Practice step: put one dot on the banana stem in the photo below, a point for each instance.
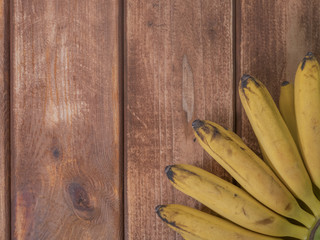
(315, 231)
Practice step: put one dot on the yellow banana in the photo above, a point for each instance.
(232, 202)
(275, 138)
(286, 107)
(189, 236)
(265, 157)
(307, 107)
(199, 225)
(239, 140)
(249, 170)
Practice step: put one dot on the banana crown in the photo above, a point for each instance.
(279, 195)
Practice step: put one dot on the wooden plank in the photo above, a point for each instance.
(272, 38)
(179, 67)
(66, 124)
(4, 121)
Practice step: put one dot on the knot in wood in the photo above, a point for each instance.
(81, 201)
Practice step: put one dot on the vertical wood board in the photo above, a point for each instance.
(66, 120)
(179, 67)
(4, 121)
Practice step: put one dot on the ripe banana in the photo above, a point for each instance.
(230, 201)
(286, 107)
(196, 225)
(249, 170)
(275, 138)
(189, 236)
(265, 157)
(273, 188)
(307, 107)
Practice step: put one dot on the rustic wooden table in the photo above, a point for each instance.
(98, 96)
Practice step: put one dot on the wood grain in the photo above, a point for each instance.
(4, 121)
(179, 67)
(272, 38)
(66, 120)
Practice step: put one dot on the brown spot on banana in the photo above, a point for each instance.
(244, 212)
(265, 221)
(288, 207)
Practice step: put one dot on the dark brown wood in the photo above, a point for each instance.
(66, 120)
(272, 38)
(179, 67)
(4, 121)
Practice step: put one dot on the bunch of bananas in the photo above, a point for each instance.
(280, 197)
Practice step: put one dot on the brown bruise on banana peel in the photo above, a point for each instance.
(265, 221)
(288, 207)
(244, 212)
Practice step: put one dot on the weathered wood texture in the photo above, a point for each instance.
(66, 128)
(179, 67)
(66, 103)
(4, 121)
(272, 38)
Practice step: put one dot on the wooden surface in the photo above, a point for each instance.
(103, 94)
(66, 166)
(4, 121)
(179, 66)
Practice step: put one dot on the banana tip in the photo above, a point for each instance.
(158, 209)
(169, 173)
(308, 56)
(244, 80)
(245, 77)
(284, 83)
(167, 168)
(197, 124)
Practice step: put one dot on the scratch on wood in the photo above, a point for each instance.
(187, 88)
(139, 119)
